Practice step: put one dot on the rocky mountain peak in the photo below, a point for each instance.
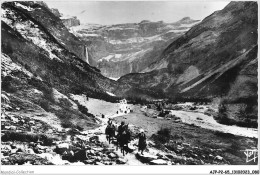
(145, 21)
(56, 12)
(70, 21)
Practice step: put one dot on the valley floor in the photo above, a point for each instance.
(195, 139)
(197, 129)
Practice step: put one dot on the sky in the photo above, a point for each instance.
(116, 12)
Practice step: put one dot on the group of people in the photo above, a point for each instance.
(123, 136)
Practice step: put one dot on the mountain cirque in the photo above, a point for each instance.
(128, 48)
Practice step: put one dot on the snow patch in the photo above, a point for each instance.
(107, 58)
(112, 78)
(111, 94)
(136, 40)
(178, 31)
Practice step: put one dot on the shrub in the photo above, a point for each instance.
(26, 137)
(8, 47)
(44, 87)
(224, 135)
(83, 109)
(67, 124)
(222, 116)
(165, 132)
(45, 104)
(163, 135)
(65, 102)
(7, 85)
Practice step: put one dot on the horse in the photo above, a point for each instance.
(123, 140)
(110, 132)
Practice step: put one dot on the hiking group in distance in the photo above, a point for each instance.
(123, 137)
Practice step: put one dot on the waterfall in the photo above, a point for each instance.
(87, 55)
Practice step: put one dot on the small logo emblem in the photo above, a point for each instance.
(251, 154)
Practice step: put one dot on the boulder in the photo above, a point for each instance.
(158, 162)
(21, 158)
(121, 161)
(80, 155)
(89, 161)
(109, 149)
(91, 152)
(186, 144)
(94, 139)
(106, 162)
(77, 163)
(29, 151)
(13, 128)
(112, 155)
(211, 156)
(68, 155)
(98, 158)
(219, 158)
(31, 122)
(13, 151)
(6, 149)
(145, 158)
(99, 154)
(20, 150)
(160, 155)
(47, 156)
(170, 156)
(61, 148)
(99, 163)
(97, 149)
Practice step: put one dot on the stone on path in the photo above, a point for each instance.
(158, 162)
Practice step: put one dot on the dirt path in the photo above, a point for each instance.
(100, 131)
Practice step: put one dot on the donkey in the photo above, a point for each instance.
(123, 140)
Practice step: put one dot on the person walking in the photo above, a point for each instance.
(142, 141)
(110, 131)
(121, 128)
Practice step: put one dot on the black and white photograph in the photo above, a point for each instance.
(129, 84)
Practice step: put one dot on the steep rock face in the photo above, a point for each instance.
(40, 12)
(56, 12)
(217, 44)
(128, 48)
(70, 22)
(36, 67)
